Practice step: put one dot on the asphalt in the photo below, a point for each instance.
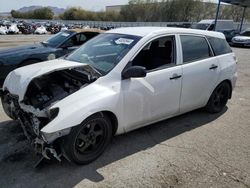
(196, 149)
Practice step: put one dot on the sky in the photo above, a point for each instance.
(94, 5)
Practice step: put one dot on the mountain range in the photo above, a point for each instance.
(56, 10)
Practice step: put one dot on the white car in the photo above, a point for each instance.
(13, 29)
(3, 30)
(242, 40)
(119, 81)
(40, 30)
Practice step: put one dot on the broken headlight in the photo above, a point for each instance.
(53, 113)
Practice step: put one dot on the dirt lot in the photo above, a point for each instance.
(193, 150)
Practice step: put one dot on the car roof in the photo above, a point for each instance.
(89, 30)
(143, 31)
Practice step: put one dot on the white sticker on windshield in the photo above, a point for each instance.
(124, 41)
(65, 34)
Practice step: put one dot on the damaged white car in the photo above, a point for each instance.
(119, 81)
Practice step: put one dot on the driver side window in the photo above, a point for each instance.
(158, 54)
(76, 40)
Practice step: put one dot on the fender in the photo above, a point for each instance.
(77, 107)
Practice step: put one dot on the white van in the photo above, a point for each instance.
(221, 25)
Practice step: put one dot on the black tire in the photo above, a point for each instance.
(6, 106)
(87, 141)
(219, 98)
(28, 62)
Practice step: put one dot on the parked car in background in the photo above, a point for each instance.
(40, 30)
(210, 24)
(242, 40)
(119, 81)
(13, 29)
(224, 26)
(58, 45)
(3, 30)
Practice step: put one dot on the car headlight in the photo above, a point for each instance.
(52, 113)
(50, 137)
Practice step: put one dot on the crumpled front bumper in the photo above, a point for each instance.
(31, 128)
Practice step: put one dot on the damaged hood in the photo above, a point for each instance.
(18, 80)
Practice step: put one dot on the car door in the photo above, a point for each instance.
(200, 72)
(156, 96)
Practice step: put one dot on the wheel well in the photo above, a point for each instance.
(230, 84)
(30, 59)
(112, 117)
(113, 120)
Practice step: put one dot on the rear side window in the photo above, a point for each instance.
(194, 48)
(220, 46)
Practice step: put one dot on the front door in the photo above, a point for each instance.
(156, 96)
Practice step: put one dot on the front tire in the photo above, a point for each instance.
(87, 142)
(219, 98)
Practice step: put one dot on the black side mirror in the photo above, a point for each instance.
(134, 72)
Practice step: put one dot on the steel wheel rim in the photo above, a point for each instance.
(220, 97)
(90, 138)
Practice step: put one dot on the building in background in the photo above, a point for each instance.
(115, 8)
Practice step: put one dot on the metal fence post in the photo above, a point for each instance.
(217, 15)
(242, 19)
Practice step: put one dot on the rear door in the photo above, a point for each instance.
(200, 72)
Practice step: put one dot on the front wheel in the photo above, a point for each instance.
(87, 142)
(219, 98)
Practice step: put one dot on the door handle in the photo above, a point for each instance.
(175, 76)
(213, 67)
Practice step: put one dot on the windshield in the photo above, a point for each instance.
(200, 26)
(105, 51)
(245, 33)
(58, 38)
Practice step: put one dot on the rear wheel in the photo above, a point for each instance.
(88, 141)
(219, 98)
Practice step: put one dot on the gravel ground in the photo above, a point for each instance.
(193, 150)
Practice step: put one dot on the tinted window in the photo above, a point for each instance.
(245, 33)
(194, 48)
(159, 53)
(220, 46)
(58, 38)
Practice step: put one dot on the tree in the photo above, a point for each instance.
(41, 13)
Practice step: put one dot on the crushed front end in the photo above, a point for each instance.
(35, 110)
(31, 126)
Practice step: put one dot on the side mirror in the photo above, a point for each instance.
(134, 72)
